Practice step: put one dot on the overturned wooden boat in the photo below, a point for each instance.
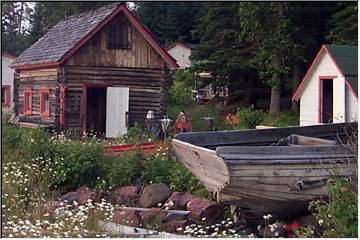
(268, 171)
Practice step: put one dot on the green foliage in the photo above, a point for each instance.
(343, 24)
(156, 169)
(169, 21)
(339, 215)
(123, 171)
(65, 165)
(135, 135)
(249, 117)
(179, 94)
(82, 163)
(285, 119)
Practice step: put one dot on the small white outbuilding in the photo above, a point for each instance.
(181, 53)
(329, 91)
(7, 82)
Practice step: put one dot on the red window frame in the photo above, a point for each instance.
(6, 89)
(43, 112)
(27, 104)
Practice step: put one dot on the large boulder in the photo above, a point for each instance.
(154, 194)
(178, 200)
(153, 218)
(81, 196)
(128, 195)
(175, 226)
(127, 217)
(201, 207)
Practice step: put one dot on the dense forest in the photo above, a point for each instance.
(276, 39)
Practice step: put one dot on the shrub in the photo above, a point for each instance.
(285, 119)
(338, 215)
(123, 171)
(249, 117)
(82, 163)
(136, 135)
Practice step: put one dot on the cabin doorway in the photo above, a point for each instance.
(327, 99)
(105, 110)
(95, 114)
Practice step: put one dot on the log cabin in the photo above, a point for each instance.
(328, 92)
(101, 70)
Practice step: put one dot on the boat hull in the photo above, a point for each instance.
(261, 180)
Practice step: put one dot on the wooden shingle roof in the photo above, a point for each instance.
(61, 41)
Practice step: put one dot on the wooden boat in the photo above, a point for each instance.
(266, 171)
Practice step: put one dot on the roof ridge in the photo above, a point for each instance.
(82, 14)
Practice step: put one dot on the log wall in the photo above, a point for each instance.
(35, 80)
(147, 90)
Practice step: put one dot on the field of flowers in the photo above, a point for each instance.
(39, 167)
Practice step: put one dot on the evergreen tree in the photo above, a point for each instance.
(15, 18)
(169, 21)
(343, 24)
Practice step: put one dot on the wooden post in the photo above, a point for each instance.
(62, 106)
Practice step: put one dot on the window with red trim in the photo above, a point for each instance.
(45, 102)
(28, 102)
(5, 95)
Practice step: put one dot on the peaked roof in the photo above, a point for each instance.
(191, 46)
(345, 59)
(61, 41)
(8, 55)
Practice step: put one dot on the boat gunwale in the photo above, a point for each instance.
(205, 150)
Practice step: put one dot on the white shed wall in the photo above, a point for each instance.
(7, 78)
(309, 96)
(352, 106)
(182, 55)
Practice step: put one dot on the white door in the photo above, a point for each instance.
(117, 107)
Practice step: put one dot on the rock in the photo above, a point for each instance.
(128, 195)
(178, 200)
(127, 217)
(201, 207)
(173, 226)
(153, 218)
(81, 195)
(154, 194)
(175, 217)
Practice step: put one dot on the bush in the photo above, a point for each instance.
(339, 215)
(285, 119)
(123, 171)
(249, 117)
(76, 163)
(136, 135)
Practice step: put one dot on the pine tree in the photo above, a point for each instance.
(169, 21)
(343, 24)
(14, 29)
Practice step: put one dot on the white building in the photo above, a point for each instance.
(329, 91)
(7, 82)
(181, 53)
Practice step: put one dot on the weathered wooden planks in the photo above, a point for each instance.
(263, 137)
(208, 167)
(95, 52)
(274, 179)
